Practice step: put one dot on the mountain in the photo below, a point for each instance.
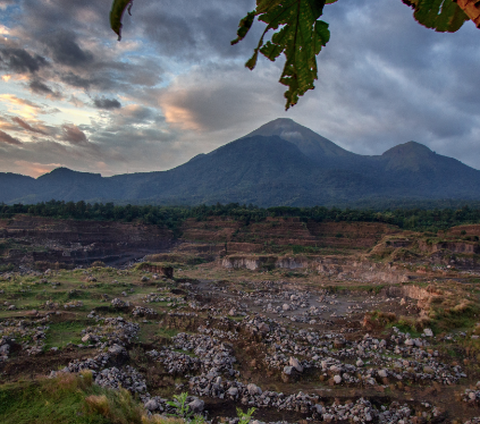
(280, 163)
(308, 142)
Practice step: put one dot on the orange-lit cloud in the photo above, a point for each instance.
(177, 112)
(8, 139)
(73, 135)
(35, 169)
(27, 126)
(25, 108)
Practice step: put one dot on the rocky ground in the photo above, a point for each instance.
(302, 348)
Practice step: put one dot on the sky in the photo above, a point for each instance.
(72, 95)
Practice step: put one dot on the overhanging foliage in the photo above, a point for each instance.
(298, 33)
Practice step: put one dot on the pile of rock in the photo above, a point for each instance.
(368, 361)
(120, 304)
(28, 335)
(127, 378)
(176, 362)
(211, 355)
(111, 331)
(74, 304)
(141, 311)
(472, 396)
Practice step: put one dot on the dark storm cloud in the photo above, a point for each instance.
(37, 86)
(8, 139)
(73, 135)
(20, 61)
(67, 15)
(76, 41)
(104, 103)
(193, 30)
(65, 50)
(26, 126)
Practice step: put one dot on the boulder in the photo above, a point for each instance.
(295, 363)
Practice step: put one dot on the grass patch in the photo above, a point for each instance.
(152, 332)
(70, 399)
(463, 317)
(62, 333)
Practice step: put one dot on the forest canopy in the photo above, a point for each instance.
(172, 217)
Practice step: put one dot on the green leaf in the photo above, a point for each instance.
(244, 26)
(440, 15)
(298, 34)
(116, 14)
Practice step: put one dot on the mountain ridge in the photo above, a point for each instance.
(279, 163)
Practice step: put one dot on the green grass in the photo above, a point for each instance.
(463, 319)
(62, 333)
(54, 402)
(68, 399)
(151, 331)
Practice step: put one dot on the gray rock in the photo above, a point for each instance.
(382, 373)
(294, 362)
(87, 338)
(197, 406)
(427, 332)
(253, 389)
(152, 405)
(233, 392)
(264, 328)
(118, 355)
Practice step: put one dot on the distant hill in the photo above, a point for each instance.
(281, 163)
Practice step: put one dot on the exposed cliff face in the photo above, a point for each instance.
(334, 268)
(466, 247)
(274, 234)
(34, 239)
(363, 271)
(273, 243)
(264, 262)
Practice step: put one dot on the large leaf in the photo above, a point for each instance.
(116, 13)
(298, 34)
(471, 9)
(441, 15)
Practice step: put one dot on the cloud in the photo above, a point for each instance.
(193, 30)
(35, 169)
(207, 99)
(5, 3)
(65, 50)
(73, 135)
(8, 139)
(174, 86)
(39, 87)
(26, 126)
(20, 61)
(104, 103)
(23, 107)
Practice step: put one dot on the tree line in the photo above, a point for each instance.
(172, 217)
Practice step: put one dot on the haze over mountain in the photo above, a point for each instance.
(280, 163)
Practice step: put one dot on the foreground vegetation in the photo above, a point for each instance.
(72, 399)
